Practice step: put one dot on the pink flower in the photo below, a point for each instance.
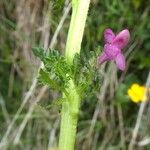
(113, 46)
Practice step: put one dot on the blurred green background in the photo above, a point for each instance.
(107, 119)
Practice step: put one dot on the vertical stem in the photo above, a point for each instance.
(69, 117)
(75, 35)
(70, 108)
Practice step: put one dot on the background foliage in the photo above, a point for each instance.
(107, 117)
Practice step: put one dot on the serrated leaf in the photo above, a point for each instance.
(53, 53)
(39, 52)
(44, 77)
(57, 72)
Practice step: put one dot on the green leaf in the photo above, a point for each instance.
(57, 72)
(44, 77)
(39, 52)
(52, 83)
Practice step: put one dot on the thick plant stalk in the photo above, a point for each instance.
(75, 35)
(70, 107)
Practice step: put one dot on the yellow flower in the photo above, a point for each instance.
(137, 93)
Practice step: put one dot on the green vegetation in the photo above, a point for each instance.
(107, 116)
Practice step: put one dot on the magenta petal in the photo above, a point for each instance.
(111, 51)
(108, 35)
(102, 58)
(121, 39)
(120, 61)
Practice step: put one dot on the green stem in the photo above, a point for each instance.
(70, 108)
(69, 117)
(75, 35)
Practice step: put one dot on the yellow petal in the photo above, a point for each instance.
(133, 96)
(137, 93)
